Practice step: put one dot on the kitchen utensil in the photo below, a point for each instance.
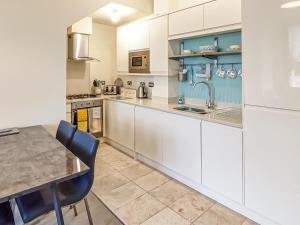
(240, 73)
(232, 74)
(141, 91)
(6, 132)
(110, 90)
(220, 72)
(182, 75)
(203, 71)
(119, 82)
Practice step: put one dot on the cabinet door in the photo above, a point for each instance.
(272, 168)
(84, 26)
(222, 13)
(139, 36)
(122, 48)
(148, 133)
(119, 123)
(158, 28)
(160, 7)
(182, 145)
(186, 21)
(222, 160)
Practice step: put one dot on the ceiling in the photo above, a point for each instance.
(126, 10)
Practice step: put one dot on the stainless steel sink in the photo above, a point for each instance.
(191, 110)
(119, 98)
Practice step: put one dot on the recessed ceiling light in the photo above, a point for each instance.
(115, 17)
(289, 5)
(115, 11)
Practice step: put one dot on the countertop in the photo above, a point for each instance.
(32, 159)
(227, 116)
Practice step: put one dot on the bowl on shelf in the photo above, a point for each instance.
(234, 48)
(208, 49)
(187, 51)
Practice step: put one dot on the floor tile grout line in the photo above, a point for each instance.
(205, 211)
(150, 216)
(153, 188)
(149, 191)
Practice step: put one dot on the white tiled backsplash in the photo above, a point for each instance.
(136, 81)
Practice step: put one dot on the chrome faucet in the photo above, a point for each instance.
(210, 103)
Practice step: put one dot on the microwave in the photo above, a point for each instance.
(139, 62)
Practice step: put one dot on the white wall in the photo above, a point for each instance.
(103, 47)
(78, 78)
(33, 58)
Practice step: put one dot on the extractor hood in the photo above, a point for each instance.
(78, 48)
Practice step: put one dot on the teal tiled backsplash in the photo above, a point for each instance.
(226, 89)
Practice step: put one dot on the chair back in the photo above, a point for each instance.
(85, 146)
(65, 133)
(6, 216)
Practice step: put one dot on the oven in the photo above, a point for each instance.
(139, 62)
(93, 120)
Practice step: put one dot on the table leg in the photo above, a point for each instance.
(16, 213)
(57, 206)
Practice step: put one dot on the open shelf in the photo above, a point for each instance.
(211, 55)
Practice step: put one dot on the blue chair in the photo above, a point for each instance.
(65, 133)
(6, 216)
(70, 192)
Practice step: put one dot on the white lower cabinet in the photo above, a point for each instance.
(222, 158)
(272, 163)
(119, 123)
(182, 146)
(171, 140)
(149, 133)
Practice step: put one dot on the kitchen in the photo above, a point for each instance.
(196, 113)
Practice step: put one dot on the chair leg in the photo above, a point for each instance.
(88, 211)
(75, 209)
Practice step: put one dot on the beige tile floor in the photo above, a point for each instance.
(100, 214)
(138, 194)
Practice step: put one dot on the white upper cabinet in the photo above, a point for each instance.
(182, 146)
(139, 35)
(182, 4)
(272, 63)
(222, 13)
(222, 157)
(160, 7)
(119, 123)
(185, 21)
(148, 133)
(123, 34)
(84, 26)
(158, 28)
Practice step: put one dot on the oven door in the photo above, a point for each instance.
(139, 62)
(95, 121)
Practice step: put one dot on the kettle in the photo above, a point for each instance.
(141, 91)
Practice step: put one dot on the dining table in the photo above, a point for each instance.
(33, 159)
